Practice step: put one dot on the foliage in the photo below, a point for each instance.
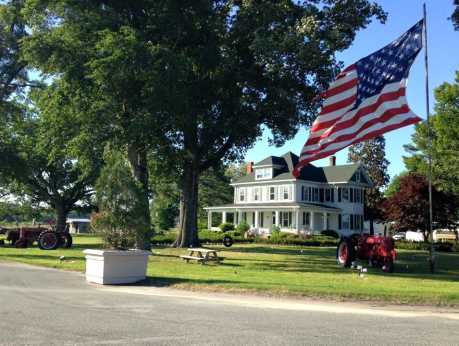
(52, 163)
(330, 233)
(445, 141)
(455, 15)
(243, 227)
(214, 188)
(165, 196)
(226, 227)
(275, 228)
(409, 207)
(118, 196)
(394, 185)
(13, 74)
(372, 154)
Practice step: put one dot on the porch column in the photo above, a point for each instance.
(297, 220)
(255, 225)
(277, 218)
(325, 222)
(209, 219)
(223, 216)
(312, 222)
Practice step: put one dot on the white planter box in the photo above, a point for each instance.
(108, 267)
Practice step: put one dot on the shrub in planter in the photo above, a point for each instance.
(120, 224)
(226, 227)
(243, 227)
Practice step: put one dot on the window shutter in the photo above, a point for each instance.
(340, 221)
(321, 194)
(352, 221)
(339, 195)
(332, 193)
(351, 192)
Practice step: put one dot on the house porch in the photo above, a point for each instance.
(298, 218)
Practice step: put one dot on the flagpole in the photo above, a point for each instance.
(429, 151)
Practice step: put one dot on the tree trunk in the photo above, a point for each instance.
(137, 156)
(188, 230)
(61, 217)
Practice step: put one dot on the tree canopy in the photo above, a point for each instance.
(372, 154)
(409, 206)
(445, 141)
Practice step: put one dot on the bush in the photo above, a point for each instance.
(330, 233)
(226, 227)
(243, 227)
(121, 205)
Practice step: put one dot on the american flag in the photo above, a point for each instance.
(367, 99)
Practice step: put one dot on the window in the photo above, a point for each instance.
(340, 221)
(339, 194)
(345, 193)
(242, 194)
(272, 193)
(327, 195)
(345, 221)
(351, 193)
(357, 176)
(306, 218)
(321, 195)
(274, 218)
(263, 173)
(286, 219)
(309, 194)
(302, 193)
(256, 194)
(286, 192)
(261, 217)
(315, 197)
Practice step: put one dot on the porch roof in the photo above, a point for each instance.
(286, 205)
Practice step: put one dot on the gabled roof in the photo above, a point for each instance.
(287, 162)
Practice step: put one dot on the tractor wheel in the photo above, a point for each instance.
(20, 243)
(227, 241)
(66, 241)
(345, 253)
(48, 240)
(388, 267)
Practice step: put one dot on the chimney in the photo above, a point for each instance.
(333, 160)
(249, 168)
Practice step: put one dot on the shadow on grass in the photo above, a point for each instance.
(152, 281)
(41, 256)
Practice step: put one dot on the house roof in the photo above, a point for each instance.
(287, 162)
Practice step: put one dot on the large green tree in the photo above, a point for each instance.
(198, 78)
(44, 139)
(445, 141)
(246, 65)
(372, 154)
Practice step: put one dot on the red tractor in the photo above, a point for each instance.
(46, 238)
(378, 251)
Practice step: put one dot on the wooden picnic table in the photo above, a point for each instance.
(201, 255)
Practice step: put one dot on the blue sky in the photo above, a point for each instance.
(443, 45)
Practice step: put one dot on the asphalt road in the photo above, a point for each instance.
(50, 307)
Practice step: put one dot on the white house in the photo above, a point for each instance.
(321, 198)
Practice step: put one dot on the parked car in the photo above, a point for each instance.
(399, 236)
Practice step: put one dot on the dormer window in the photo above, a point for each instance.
(263, 173)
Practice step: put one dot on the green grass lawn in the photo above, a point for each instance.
(279, 270)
